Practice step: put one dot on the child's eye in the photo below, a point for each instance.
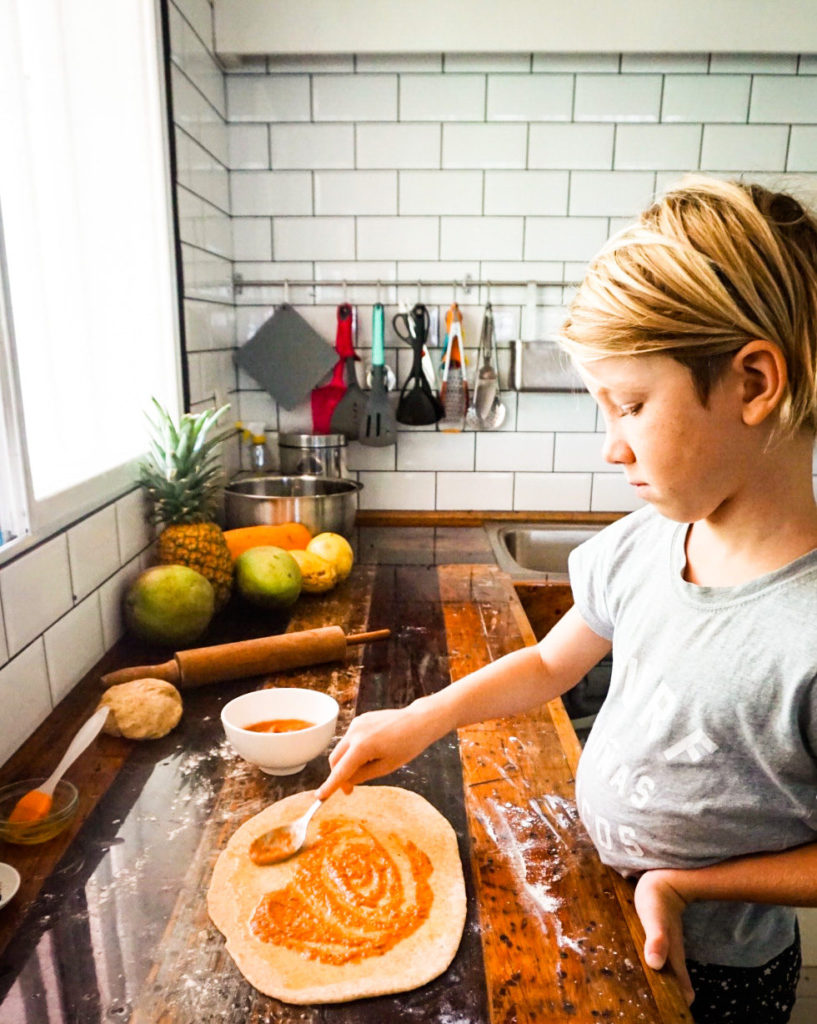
(631, 410)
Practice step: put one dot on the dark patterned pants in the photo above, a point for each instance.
(762, 995)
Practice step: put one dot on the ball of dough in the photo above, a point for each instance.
(144, 709)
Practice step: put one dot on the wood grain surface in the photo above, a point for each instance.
(111, 923)
(559, 937)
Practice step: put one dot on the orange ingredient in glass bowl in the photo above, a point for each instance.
(353, 896)
(280, 725)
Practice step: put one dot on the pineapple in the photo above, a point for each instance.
(182, 476)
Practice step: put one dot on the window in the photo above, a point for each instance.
(13, 517)
(92, 317)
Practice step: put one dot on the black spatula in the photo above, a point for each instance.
(418, 405)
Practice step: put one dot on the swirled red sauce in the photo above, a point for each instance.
(352, 896)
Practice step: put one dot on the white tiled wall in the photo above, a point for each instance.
(428, 167)
(60, 610)
(204, 149)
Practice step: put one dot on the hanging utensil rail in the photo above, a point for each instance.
(466, 283)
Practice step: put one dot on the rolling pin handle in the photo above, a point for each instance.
(167, 670)
(365, 638)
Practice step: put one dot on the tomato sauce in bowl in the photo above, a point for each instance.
(280, 725)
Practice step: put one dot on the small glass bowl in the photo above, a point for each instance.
(66, 802)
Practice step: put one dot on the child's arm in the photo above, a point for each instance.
(787, 878)
(379, 742)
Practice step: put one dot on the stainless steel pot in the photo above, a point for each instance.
(312, 454)
(321, 503)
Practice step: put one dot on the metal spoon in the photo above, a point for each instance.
(491, 414)
(283, 841)
(473, 420)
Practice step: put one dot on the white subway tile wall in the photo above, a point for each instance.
(514, 167)
(24, 686)
(93, 551)
(61, 609)
(475, 491)
(560, 492)
(4, 651)
(73, 645)
(221, 122)
(35, 592)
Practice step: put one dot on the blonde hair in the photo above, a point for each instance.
(711, 266)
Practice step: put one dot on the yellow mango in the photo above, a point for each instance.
(317, 575)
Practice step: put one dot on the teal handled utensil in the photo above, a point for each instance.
(377, 425)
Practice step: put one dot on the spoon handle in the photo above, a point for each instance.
(83, 738)
(308, 816)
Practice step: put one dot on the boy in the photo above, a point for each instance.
(695, 331)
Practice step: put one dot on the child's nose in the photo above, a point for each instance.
(615, 449)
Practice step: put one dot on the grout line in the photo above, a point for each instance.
(4, 630)
(194, 85)
(183, 131)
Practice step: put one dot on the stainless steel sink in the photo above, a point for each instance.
(536, 551)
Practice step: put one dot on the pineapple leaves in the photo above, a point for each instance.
(181, 471)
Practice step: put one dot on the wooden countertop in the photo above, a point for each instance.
(111, 924)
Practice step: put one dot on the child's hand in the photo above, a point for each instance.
(377, 743)
(659, 906)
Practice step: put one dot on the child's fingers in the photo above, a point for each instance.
(659, 909)
(684, 980)
(339, 751)
(345, 761)
(656, 949)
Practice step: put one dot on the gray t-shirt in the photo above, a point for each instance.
(706, 745)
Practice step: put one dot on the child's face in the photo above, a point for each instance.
(686, 459)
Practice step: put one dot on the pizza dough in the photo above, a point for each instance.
(144, 709)
(384, 817)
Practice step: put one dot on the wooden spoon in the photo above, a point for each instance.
(283, 841)
(36, 803)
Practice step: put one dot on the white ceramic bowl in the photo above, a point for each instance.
(9, 883)
(280, 753)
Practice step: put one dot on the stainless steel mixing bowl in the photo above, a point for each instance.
(319, 502)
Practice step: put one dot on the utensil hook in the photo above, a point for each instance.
(286, 292)
(488, 292)
(454, 286)
(345, 293)
(419, 292)
(377, 294)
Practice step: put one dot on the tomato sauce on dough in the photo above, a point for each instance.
(352, 896)
(280, 725)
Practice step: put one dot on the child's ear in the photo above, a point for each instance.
(762, 368)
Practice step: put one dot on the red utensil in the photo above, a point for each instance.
(326, 397)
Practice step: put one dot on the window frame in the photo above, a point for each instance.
(38, 519)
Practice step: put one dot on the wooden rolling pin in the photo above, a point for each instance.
(248, 657)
